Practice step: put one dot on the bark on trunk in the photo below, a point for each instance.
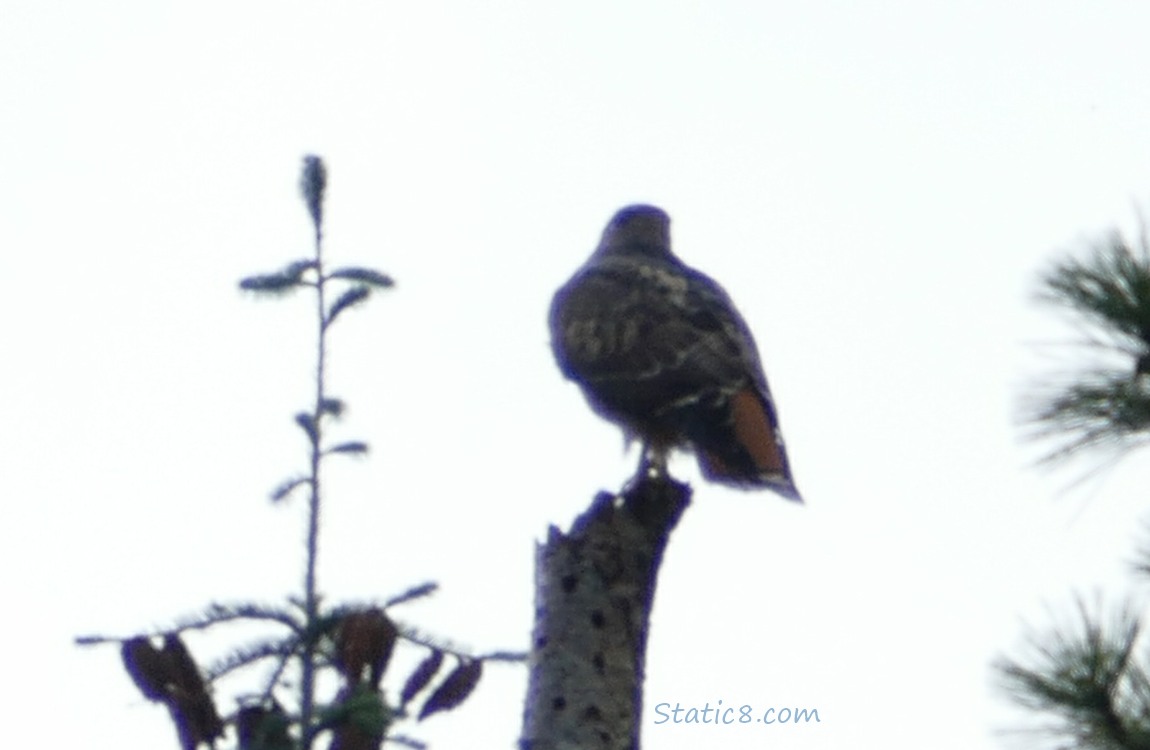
(594, 589)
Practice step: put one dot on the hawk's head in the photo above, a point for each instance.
(641, 229)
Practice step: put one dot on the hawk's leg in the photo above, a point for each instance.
(653, 463)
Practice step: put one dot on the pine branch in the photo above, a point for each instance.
(1106, 405)
(353, 641)
(1110, 288)
(265, 648)
(1099, 410)
(1087, 678)
(313, 184)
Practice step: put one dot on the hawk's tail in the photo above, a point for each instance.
(748, 452)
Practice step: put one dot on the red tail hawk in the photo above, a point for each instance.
(659, 349)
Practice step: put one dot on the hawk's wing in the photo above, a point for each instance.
(641, 337)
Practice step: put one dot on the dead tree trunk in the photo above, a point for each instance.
(594, 589)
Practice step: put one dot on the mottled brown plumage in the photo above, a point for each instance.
(659, 349)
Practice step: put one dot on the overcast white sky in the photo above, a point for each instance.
(875, 183)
